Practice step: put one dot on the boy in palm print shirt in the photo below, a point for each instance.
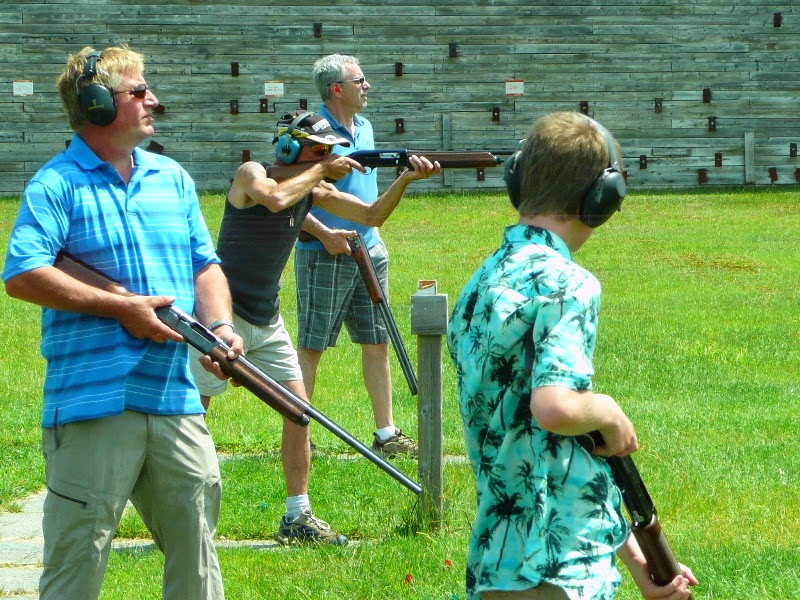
(522, 335)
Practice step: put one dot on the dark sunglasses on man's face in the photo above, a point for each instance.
(320, 148)
(138, 91)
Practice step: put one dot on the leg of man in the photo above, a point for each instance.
(300, 524)
(365, 325)
(309, 363)
(295, 449)
(91, 469)
(269, 347)
(178, 495)
(378, 381)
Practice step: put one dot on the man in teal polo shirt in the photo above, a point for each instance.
(330, 290)
(122, 417)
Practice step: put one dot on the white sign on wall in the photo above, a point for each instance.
(515, 87)
(23, 88)
(273, 88)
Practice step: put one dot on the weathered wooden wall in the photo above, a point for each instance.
(620, 58)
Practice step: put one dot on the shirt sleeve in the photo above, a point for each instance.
(203, 252)
(40, 230)
(564, 339)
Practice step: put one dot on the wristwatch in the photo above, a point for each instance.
(219, 323)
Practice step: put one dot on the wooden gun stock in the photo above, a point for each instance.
(645, 525)
(361, 255)
(246, 374)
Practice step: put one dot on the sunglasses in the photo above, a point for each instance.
(139, 91)
(320, 148)
(358, 80)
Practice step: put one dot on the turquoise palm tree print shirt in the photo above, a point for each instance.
(547, 509)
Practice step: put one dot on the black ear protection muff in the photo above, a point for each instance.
(604, 197)
(97, 101)
(288, 147)
(511, 177)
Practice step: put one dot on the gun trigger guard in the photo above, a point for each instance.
(586, 442)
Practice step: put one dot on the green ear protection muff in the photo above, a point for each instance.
(97, 102)
(288, 147)
(604, 197)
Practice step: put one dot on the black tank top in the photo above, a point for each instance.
(254, 245)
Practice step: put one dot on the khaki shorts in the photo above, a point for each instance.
(269, 347)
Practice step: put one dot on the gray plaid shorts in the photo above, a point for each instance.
(330, 291)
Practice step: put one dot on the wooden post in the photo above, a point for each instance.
(749, 157)
(447, 144)
(429, 324)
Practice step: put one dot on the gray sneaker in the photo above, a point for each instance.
(306, 528)
(400, 443)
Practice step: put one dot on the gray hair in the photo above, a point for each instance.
(330, 69)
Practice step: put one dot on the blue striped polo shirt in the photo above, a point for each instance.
(151, 237)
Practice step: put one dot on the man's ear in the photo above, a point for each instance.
(336, 88)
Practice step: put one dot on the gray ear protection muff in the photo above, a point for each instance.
(604, 197)
(97, 101)
(288, 147)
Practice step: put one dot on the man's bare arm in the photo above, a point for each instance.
(252, 184)
(52, 288)
(350, 207)
(334, 240)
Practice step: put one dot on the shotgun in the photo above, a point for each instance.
(448, 159)
(372, 159)
(273, 393)
(367, 269)
(645, 525)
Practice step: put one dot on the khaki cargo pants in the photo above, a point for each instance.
(166, 465)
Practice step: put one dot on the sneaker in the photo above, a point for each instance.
(307, 528)
(400, 443)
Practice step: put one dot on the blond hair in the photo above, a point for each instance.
(113, 67)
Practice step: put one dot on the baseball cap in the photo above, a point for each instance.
(308, 127)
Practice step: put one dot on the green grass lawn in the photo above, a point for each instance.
(698, 342)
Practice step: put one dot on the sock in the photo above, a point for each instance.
(386, 433)
(297, 504)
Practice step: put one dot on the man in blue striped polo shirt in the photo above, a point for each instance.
(122, 417)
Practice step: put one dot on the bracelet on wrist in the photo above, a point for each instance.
(219, 323)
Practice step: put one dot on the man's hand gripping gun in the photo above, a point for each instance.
(367, 269)
(645, 525)
(240, 369)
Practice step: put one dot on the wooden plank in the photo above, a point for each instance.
(565, 54)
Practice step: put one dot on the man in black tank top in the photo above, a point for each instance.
(260, 225)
